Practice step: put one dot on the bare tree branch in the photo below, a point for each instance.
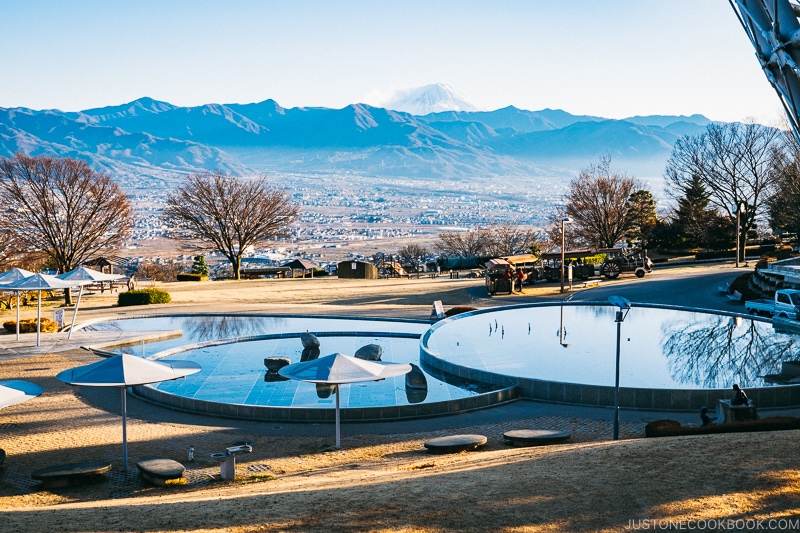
(230, 213)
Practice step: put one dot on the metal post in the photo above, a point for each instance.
(563, 221)
(616, 383)
(124, 429)
(338, 442)
(738, 229)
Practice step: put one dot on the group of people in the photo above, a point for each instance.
(516, 278)
(739, 398)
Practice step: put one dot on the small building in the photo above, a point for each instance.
(300, 268)
(357, 270)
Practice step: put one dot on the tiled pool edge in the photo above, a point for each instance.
(303, 414)
(773, 397)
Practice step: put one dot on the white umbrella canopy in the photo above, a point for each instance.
(15, 274)
(123, 371)
(9, 276)
(337, 369)
(85, 276)
(38, 282)
(15, 391)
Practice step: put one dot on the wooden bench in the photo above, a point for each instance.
(455, 443)
(69, 474)
(160, 471)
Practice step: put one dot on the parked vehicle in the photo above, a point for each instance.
(550, 265)
(530, 265)
(620, 260)
(786, 304)
(499, 276)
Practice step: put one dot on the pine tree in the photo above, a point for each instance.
(199, 266)
(692, 217)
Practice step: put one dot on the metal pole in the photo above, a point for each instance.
(338, 442)
(562, 255)
(38, 317)
(18, 314)
(616, 385)
(124, 430)
(75, 312)
(738, 229)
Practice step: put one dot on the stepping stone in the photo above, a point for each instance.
(73, 473)
(455, 443)
(535, 437)
(161, 472)
(2, 456)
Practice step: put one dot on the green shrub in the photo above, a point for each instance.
(192, 277)
(143, 297)
(671, 428)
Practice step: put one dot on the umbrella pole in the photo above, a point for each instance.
(75, 313)
(338, 442)
(124, 430)
(39, 317)
(18, 314)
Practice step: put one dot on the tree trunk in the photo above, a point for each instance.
(237, 264)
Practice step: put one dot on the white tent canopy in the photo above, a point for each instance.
(123, 371)
(10, 276)
(337, 369)
(85, 276)
(38, 282)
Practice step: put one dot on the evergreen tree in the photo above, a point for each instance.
(692, 217)
(199, 266)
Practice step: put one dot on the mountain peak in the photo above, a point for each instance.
(429, 99)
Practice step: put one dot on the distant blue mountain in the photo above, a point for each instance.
(147, 137)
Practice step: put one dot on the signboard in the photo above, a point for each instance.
(438, 310)
(58, 317)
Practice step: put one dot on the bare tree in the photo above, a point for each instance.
(598, 202)
(509, 238)
(465, 244)
(63, 208)
(230, 213)
(551, 239)
(411, 253)
(736, 163)
(784, 203)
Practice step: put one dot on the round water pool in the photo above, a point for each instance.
(231, 353)
(669, 358)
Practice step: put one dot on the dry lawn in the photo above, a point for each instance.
(379, 481)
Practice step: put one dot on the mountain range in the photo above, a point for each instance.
(151, 138)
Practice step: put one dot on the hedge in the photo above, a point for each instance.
(143, 297)
(671, 428)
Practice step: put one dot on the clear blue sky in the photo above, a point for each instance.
(613, 58)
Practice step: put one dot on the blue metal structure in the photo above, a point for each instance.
(774, 30)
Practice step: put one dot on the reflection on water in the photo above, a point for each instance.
(235, 373)
(660, 348)
(719, 351)
(202, 328)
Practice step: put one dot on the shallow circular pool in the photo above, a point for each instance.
(670, 358)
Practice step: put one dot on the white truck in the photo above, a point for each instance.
(785, 305)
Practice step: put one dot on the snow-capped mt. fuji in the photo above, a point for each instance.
(429, 99)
